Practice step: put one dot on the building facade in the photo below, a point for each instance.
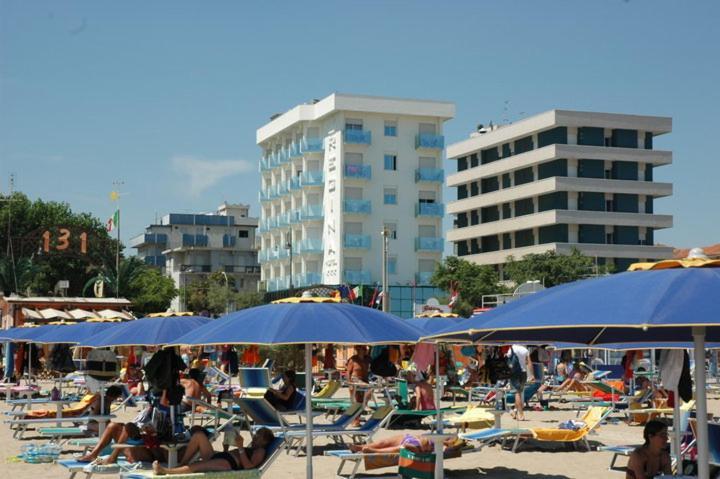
(189, 247)
(337, 172)
(560, 180)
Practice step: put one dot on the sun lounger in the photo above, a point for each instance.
(491, 435)
(343, 422)
(378, 420)
(23, 424)
(89, 469)
(272, 452)
(328, 391)
(474, 417)
(592, 419)
(61, 434)
(254, 381)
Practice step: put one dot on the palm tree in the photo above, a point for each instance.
(17, 277)
(129, 269)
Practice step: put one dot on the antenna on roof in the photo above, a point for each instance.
(506, 107)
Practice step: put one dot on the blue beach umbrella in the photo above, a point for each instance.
(25, 334)
(305, 321)
(72, 333)
(158, 331)
(670, 301)
(433, 325)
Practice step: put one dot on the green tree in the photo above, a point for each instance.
(130, 268)
(248, 300)
(471, 280)
(27, 220)
(19, 274)
(551, 268)
(150, 291)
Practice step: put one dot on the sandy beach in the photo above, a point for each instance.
(534, 460)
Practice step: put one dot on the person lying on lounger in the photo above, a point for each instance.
(235, 460)
(393, 444)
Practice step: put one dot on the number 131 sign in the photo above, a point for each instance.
(64, 239)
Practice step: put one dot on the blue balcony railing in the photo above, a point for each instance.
(308, 279)
(311, 145)
(265, 194)
(356, 276)
(283, 220)
(362, 207)
(272, 222)
(294, 216)
(295, 151)
(358, 171)
(277, 284)
(294, 183)
(282, 188)
(310, 246)
(429, 209)
(282, 156)
(429, 244)
(311, 178)
(358, 137)
(311, 212)
(429, 140)
(423, 278)
(229, 241)
(194, 240)
(265, 164)
(357, 241)
(430, 174)
(263, 227)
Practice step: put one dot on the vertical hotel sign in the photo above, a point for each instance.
(332, 209)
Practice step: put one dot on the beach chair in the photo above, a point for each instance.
(22, 425)
(412, 464)
(75, 467)
(75, 410)
(491, 435)
(474, 417)
(342, 422)
(528, 392)
(378, 420)
(592, 419)
(273, 451)
(262, 414)
(328, 391)
(254, 381)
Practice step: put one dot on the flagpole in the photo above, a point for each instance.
(115, 196)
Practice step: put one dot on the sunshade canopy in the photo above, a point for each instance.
(146, 332)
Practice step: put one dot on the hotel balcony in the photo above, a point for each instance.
(158, 260)
(311, 145)
(309, 246)
(149, 238)
(263, 227)
(360, 207)
(430, 141)
(358, 137)
(429, 209)
(435, 175)
(357, 241)
(356, 276)
(294, 183)
(277, 284)
(362, 172)
(311, 178)
(265, 164)
(294, 216)
(195, 240)
(283, 220)
(295, 150)
(429, 244)
(282, 156)
(307, 279)
(265, 195)
(423, 278)
(282, 188)
(311, 212)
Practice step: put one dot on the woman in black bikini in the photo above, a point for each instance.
(241, 458)
(283, 399)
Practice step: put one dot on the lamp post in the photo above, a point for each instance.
(385, 292)
(227, 292)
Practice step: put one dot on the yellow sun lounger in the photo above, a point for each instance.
(474, 417)
(592, 419)
(328, 390)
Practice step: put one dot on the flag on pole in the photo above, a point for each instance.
(371, 304)
(356, 293)
(114, 222)
(380, 298)
(454, 294)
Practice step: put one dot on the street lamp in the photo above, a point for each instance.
(227, 292)
(385, 291)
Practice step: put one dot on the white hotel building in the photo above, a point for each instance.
(560, 180)
(334, 173)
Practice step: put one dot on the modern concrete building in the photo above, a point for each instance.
(560, 180)
(188, 247)
(336, 172)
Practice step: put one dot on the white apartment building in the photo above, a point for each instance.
(334, 173)
(560, 180)
(188, 247)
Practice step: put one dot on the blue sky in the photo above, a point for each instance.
(144, 92)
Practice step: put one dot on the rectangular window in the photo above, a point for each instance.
(557, 135)
(390, 196)
(353, 193)
(648, 172)
(353, 158)
(506, 150)
(591, 201)
(462, 220)
(552, 168)
(474, 217)
(649, 205)
(489, 214)
(553, 201)
(624, 170)
(591, 169)
(462, 163)
(474, 188)
(624, 138)
(489, 243)
(524, 207)
(243, 234)
(489, 184)
(462, 192)
(392, 264)
(390, 128)
(426, 196)
(506, 210)
(507, 241)
(625, 203)
(648, 140)
(524, 238)
(594, 234)
(523, 144)
(506, 180)
(462, 248)
(589, 135)
(391, 162)
(489, 155)
(629, 235)
(524, 175)
(553, 234)
(474, 246)
(391, 228)
(353, 124)
(473, 160)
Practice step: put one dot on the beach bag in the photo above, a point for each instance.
(514, 364)
(101, 364)
(381, 365)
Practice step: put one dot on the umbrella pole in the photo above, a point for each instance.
(439, 425)
(308, 411)
(703, 456)
(676, 427)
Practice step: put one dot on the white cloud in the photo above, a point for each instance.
(202, 174)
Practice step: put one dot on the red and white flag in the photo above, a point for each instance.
(454, 294)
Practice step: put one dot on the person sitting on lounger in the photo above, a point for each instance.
(423, 400)
(653, 457)
(194, 389)
(574, 380)
(393, 444)
(89, 406)
(235, 460)
(283, 399)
